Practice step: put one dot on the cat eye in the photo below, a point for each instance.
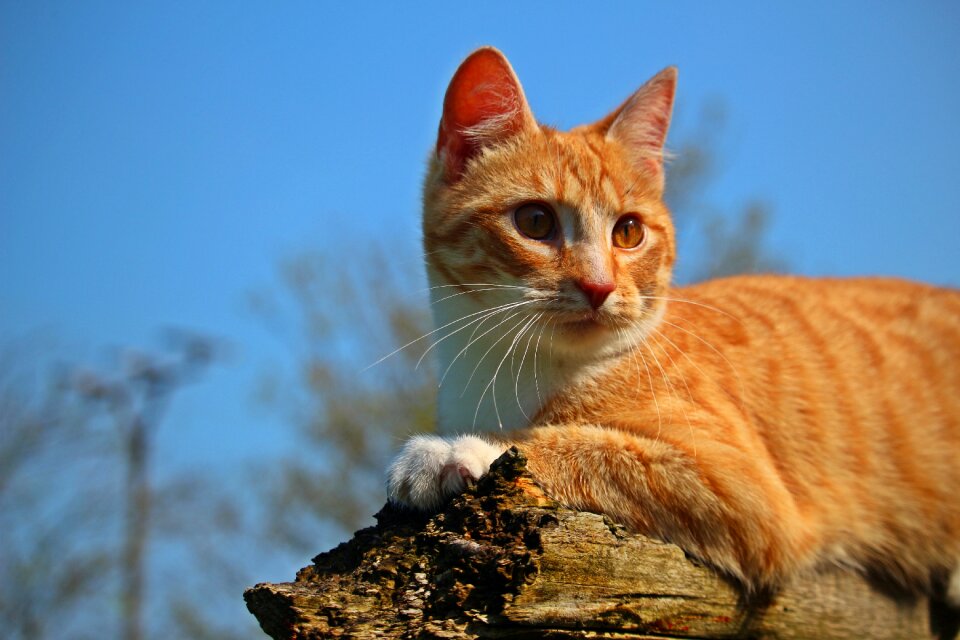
(535, 220)
(628, 233)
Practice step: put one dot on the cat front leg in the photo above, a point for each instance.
(431, 469)
(714, 502)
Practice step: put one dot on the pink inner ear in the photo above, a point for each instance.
(484, 104)
(641, 123)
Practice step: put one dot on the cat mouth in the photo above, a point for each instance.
(587, 322)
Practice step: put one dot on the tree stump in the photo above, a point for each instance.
(503, 560)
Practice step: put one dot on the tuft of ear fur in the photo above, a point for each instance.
(641, 123)
(484, 105)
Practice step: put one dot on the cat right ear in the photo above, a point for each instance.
(641, 123)
(484, 105)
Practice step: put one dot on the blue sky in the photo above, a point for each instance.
(158, 159)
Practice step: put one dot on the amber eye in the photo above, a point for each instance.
(535, 220)
(628, 232)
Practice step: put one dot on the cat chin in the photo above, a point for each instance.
(584, 335)
(589, 340)
(598, 336)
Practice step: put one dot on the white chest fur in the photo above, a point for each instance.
(497, 367)
(502, 358)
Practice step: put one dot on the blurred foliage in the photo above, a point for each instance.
(736, 245)
(83, 515)
(339, 312)
(337, 319)
(713, 242)
(53, 508)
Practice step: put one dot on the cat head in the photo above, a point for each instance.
(571, 224)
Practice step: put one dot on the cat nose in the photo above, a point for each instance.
(596, 292)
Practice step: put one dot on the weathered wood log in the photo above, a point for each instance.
(505, 561)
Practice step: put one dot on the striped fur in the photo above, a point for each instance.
(768, 425)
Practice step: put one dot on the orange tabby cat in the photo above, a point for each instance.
(768, 425)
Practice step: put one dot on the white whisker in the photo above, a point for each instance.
(492, 285)
(695, 303)
(523, 358)
(463, 293)
(673, 362)
(482, 358)
(536, 365)
(636, 350)
(493, 380)
(473, 337)
(673, 391)
(496, 342)
(491, 312)
(426, 335)
(733, 369)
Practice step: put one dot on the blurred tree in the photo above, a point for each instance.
(351, 419)
(135, 400)
(85, 521)
(337, 316)
(713, 243)
(737, 245)
(53, 510)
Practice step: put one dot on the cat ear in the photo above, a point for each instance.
(641, 123)
(484, 105)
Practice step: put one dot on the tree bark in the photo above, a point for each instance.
(505, 561)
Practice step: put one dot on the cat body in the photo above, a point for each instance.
(768, 425)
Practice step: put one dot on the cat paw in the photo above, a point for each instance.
(430, 469)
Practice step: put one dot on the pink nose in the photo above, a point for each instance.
(596, 292)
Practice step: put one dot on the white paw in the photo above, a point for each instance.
(430, 469)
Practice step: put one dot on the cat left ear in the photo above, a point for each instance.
(484, 105)
(641, 123)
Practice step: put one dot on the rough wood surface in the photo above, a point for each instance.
(505, 561)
